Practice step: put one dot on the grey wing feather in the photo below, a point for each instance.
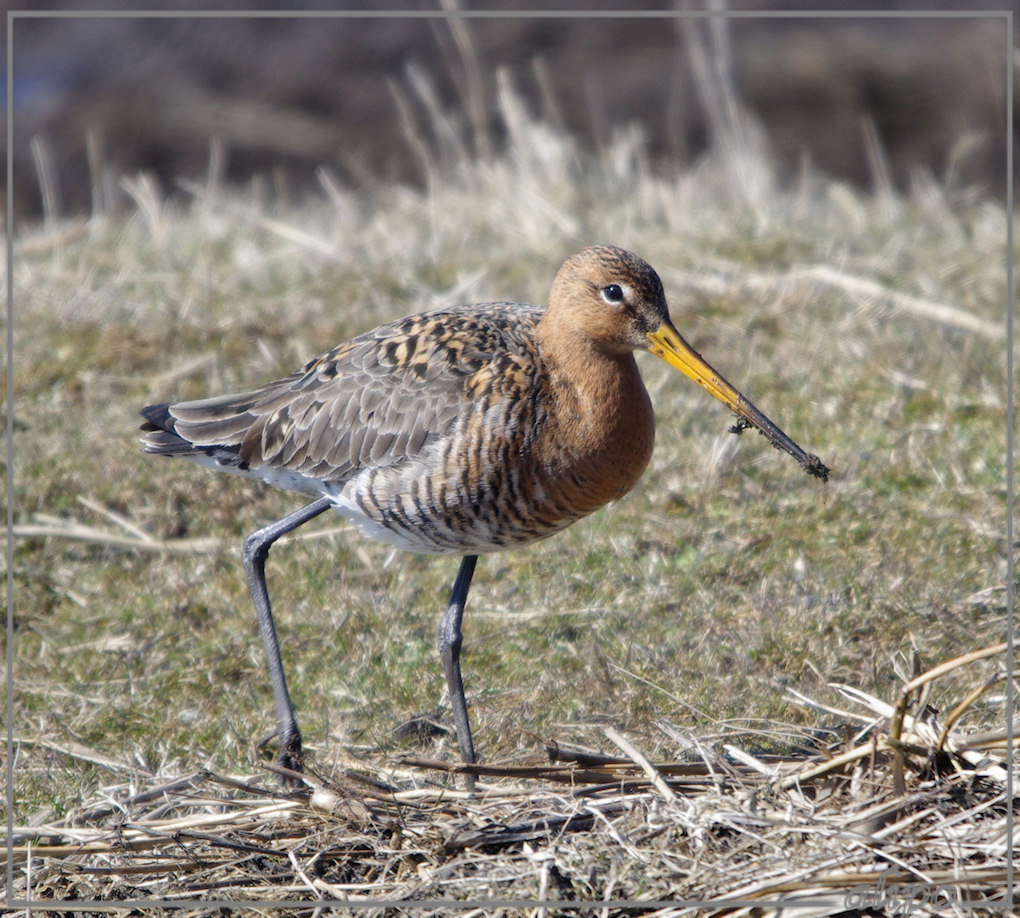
(375, 400)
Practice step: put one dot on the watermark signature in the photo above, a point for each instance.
(898, 899)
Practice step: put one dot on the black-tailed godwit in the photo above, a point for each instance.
(461, 431)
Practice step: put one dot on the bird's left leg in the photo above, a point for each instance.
(255, 551)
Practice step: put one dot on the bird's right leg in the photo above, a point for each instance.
(450, 639)
(254, 553)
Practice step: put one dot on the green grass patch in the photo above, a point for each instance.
(726, 578)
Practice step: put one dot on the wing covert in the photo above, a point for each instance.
(376, 400)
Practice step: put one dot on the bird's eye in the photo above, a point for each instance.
(613, 294)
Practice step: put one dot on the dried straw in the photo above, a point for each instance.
(911, 812)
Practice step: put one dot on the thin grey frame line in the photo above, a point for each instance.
(9, 475)
(310, 904)
(1010, 558)
(508, 14)
(1007, 15)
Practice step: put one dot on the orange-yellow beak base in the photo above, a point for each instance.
(667, 343)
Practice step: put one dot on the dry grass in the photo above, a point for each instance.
(906, 812)
(686, 617)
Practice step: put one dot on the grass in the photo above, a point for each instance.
(727, 578)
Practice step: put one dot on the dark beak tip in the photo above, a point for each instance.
(814, 466)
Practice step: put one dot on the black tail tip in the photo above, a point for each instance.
(157, 417)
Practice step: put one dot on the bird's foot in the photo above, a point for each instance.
(289, 764)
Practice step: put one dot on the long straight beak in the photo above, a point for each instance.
(668, 344)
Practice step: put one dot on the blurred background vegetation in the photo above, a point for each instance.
(101, 97)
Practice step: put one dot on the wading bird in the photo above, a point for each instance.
(461, 431)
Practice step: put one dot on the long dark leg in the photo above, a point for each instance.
(450, 639)
(255, 551)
